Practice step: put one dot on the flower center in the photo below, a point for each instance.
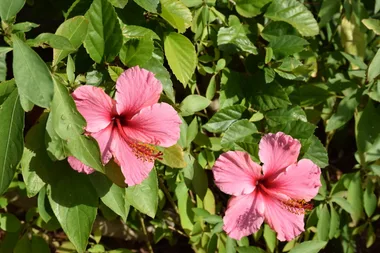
(297, 206)
(143, 151)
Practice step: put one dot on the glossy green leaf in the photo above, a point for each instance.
(74, 203)
(284, 115)
(75, 30)
(268, 96)
(111, 195)
(250, 249)
(137, 32)
(327, 11)
(32, 76)
(286, 45)
(317, 152)
(309, 247)
(144, 196)
(192, 104)
(181, 56)
(345, 111)
(270, 238)
(355, 197)
(173, 157)
(155, 65)
(368, 123)
(374, 67)
(249, 8)
(9, 8)
(176, 14)
(323, 227)
(52, 40)
(136, 51)
(237, 131)
(3, 66)
(12, 139)
(104, 38)
(372, 24)
(234, 38)
(222, 119)
(9, 222)
(119, 3)
(149, 5)
(334, 222)
(32, 181)
(184, 207)
(369, 199)
(69, 126)
(294, 13)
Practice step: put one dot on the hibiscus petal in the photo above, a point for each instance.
(244, 215)
(235, 173)
(299, 181)
(278, 151)
(134, 169)
(79, 166)
(285, 222)
(135, 89)
(157, 124)
(95, 106)
(103, 138)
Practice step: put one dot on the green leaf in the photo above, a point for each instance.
(223, 118)
(24, 27)
(323, 226)
(367, 127)
(52, 40)
(211, 88)
(369, 199)
(12, 138)
(195, 174)
(354, 197)
(74, 203)
(327, 11)
(250, 9)
(309, 247)
(115, 72)
(32, 76)
(176, 14)
(234, 38)
(298, 129)
(334, 222)
(3, 66)
(372, 24)
(184, 207)
(173, 156)
(192, 104)
(237, 131)
(55, 146)
(310, 94)
(294, 13)
(149, 5)
(155, 65)
(343, 203)
(9, 222)
(69, 125)
(75, 30)
(284, 115)
(136, 51)
(104, 38)
(286, 45)
(374, 67)
(277, 29)
(137, 32)
(181, 56)
(144, 196)
(268, 96)
(355, 60)
(111, 195)
(345, 110)
(9, 8)
(32, 181)
(270, 238)
(119, 3)
(317, 152)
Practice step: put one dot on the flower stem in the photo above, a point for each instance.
(148, 244)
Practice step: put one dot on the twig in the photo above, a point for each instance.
(148, 244)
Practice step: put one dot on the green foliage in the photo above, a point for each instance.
(234, 71)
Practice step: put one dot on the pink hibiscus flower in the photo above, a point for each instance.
(129, 127)
(277, 192)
